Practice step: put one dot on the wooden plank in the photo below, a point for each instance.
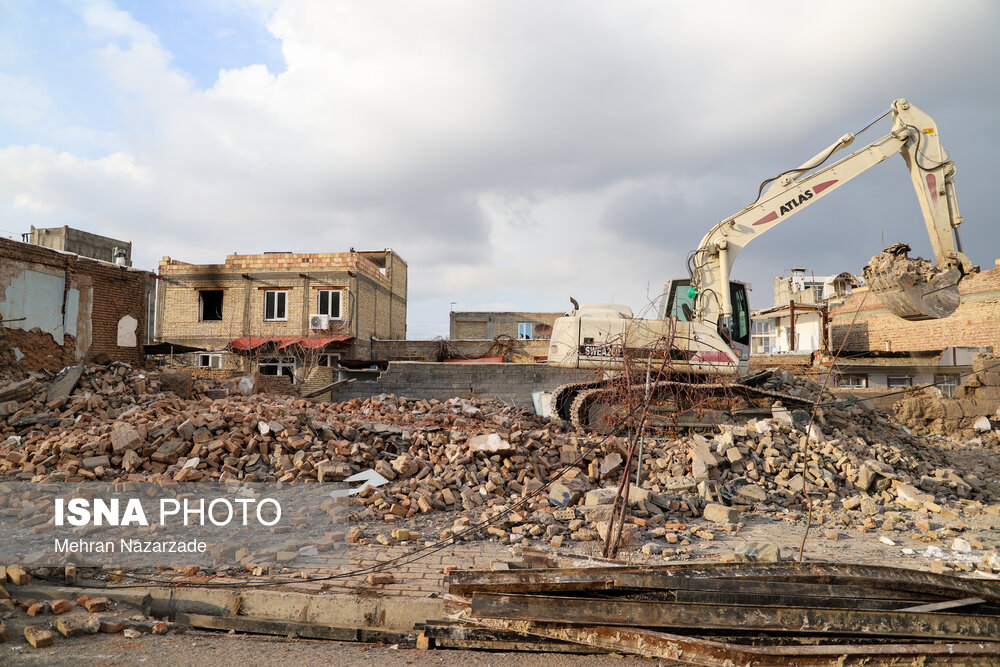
(947, 604)
(864, 622)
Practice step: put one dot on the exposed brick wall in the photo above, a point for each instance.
(976, 323)
(512, 383)
(116, 292)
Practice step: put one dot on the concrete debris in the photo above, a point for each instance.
(908, 271)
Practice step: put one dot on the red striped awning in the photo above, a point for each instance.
(280, 342)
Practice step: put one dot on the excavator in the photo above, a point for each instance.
(701, 338)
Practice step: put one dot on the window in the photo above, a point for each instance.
(280, 366)
(524, 330)
(210, 305)
(329, 303)
(947, 384)
(210, 360)
(854, 381)
(275, 303)
(817, 289)
(762, 338)
(897, 381)
(681, 302)
(328, 360)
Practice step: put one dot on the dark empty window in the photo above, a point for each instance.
(210, 305)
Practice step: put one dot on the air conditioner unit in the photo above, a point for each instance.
(319, 321)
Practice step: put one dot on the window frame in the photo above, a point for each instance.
(529, 327)
(328, 357)
(947, 384)
(212, 356)
(763, 335)
(328, 293)
(201, 305)
(862, 381)
(284, 299)
(280, 364)
(891, 378)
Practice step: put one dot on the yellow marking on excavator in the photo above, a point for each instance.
(928, 130)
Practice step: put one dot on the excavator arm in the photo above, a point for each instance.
(914, 135)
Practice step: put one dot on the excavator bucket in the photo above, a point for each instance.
(913, 289)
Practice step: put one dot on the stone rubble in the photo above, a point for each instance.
(461, 461)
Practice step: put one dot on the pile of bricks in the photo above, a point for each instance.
(43, 621)
(118, 423)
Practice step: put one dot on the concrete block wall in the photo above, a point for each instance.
(429, 350)
(511, 383)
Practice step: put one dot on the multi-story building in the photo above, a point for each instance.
(278, 311)
(490, 325)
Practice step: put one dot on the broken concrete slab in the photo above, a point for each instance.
(64, 383)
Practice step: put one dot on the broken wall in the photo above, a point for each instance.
(59, 308)
(510, 383)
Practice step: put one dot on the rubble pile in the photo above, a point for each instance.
(895, 262)
(969, 417)
(118, 423)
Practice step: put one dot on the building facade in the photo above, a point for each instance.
(276, 312)
(59, 308)
(490, 325)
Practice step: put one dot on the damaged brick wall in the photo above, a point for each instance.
(974, 324)
(64, 308)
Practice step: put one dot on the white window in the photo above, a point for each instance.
(524, 330)
(855, 381)
(329, 302)
(210, 360)
(328, 360)
(947, 384)
(275, 305)
(897, 381)
(279, 366)
(762, 338)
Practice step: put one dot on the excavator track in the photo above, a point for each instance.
(598, 405)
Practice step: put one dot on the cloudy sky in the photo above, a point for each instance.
(514, 152)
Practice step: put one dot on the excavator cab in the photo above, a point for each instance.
(679, 302)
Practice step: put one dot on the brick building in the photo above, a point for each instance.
(882, 350)
(490, 325)
(59, 308)
(277, 312)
